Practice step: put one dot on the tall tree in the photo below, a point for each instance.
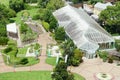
(60, 33)
(16, 5)
(110, 18)
(60, 72)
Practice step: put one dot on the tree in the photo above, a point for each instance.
(77, 57)
(16, 5)
(60, 72)
(110, 18)
(42, 3)
(55, 4)
(5, 14)
(60, 33)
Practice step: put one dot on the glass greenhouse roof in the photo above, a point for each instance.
(81, 28)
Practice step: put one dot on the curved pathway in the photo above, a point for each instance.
(43, 40)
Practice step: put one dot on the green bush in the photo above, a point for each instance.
(46, 25)
(36, 46)
(36, 17)
(8, 49)
(77, 57)
(3, 40)
(110, 59)
(24, 61)
(75, 62)
(117, 45)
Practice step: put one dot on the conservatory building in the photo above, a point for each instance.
(86, 34)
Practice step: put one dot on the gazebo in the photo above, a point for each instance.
(12, 30)
(86, 33)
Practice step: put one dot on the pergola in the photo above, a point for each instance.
(86, 34)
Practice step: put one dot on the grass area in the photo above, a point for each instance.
(34, 75)
(32, 61)
(5, 2)
(22, 50)
(78, 77)
(51, 61)
(46, 25)
(31, 12)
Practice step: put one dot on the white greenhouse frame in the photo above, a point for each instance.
(86, 34)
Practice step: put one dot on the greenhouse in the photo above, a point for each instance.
(86, 34)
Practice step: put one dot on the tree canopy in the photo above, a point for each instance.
(60, 33)
(5, 14)
(16, 5)
(60, 72)
(110, 18)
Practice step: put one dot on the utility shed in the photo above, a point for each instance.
(12, 30)
(86, 34)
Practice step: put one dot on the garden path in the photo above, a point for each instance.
(43, 40)
(90, 67)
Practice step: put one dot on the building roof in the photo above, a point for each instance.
(102, 6)
(12, 27)
(81, 28)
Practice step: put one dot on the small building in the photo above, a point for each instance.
(86, 33)
(98, 7)
(12, 30)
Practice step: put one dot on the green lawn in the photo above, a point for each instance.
(34, 75)
(22, 51)
(51, 61)
(5, 2)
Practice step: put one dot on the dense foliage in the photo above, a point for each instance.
(60, 33)
(110, 18)
(5, 14)
(60, 72)
(74, 54)
(16, 5)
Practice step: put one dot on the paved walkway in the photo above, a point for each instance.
(90, 67)
(43, 39)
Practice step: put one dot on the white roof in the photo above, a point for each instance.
(102, 6)
(12, 27)
(81, 28)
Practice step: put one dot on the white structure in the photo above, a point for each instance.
(87, 9)
(86, 34)
(12, 30)
(98, 7)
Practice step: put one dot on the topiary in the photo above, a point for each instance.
(24, 61)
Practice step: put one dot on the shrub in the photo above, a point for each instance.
(8, 49)
(36, 46)
(24, 61)
(3, 40)
(110, 59)
(36, 17)
(77, 57)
